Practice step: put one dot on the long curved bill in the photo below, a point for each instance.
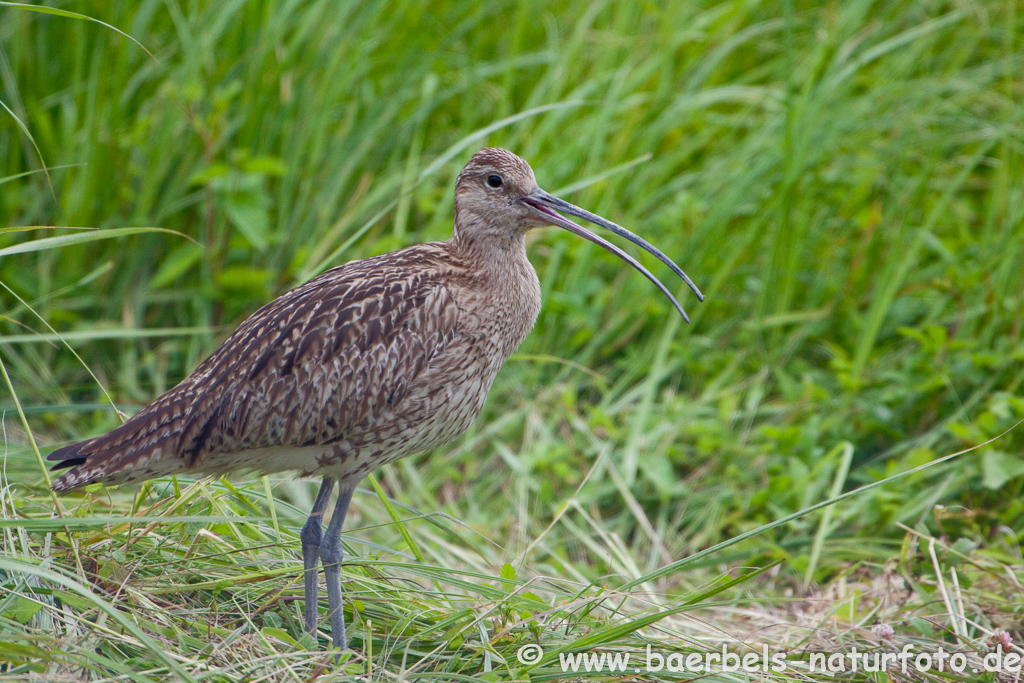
(547, 206)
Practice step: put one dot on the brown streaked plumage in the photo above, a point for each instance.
(367, 363)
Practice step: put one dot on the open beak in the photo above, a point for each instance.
(546, 207)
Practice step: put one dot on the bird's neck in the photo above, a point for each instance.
(497, 253)
(475, 238)
(488, 249)
(505, 282)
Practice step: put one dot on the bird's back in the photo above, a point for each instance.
(368, 362)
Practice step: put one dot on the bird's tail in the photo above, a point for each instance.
(117, 457)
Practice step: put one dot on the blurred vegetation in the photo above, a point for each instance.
(844, 180)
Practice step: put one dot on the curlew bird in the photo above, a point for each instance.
(367, 363)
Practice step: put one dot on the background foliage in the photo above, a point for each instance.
(843, 180)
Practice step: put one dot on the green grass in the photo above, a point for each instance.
(844, 181)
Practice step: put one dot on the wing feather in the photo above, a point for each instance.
(306, 369)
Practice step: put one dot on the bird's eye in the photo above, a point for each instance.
(494, 181)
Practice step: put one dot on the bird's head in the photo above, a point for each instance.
(497, 198)
(488, 191)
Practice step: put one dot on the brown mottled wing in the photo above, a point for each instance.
(303, 370)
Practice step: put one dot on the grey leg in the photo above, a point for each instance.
(311, 535)
(331, 554)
